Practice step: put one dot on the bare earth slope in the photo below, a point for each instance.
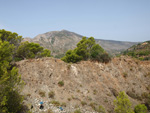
(61, 41)
(90, 82)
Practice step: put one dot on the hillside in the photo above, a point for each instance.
(140, 51)
(86, 84)
(61, 41)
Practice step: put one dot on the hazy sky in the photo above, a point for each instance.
(124, 20)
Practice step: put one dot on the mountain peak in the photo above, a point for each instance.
(61, 41)
(65, 30)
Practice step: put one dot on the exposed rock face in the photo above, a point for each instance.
(61, 41)
(90, 82)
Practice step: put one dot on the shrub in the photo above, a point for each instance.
(125, 74)
(114, 92)
(101, 109)
(76, 106)
(69, 99)
(122, 104)
(147, 101)
(78, 91)
(28, 94)
(133, 95)
(94, 91)
(83, 103)
(140, 108)
(105, 58)
(61, 83)
(93, 105)
(42, 93)
(77, 111)
(71, 56)
(49, 111)
(56, 103)
(144, 95)
(68, 66)
(51, 94)
(63, 104)
(89, 98)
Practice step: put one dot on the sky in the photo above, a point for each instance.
(122, 20)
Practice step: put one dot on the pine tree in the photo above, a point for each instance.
(122, 104)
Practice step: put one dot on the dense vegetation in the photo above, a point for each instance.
(31, 50)
(11, 84)
(123, 105)
(140, 51)
(86, 49)
(10, 81)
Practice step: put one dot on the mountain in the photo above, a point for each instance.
(140, 51)
(84, 85)
(61, 41)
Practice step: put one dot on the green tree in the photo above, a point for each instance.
(86, 49)
(122, 104)
(46, 53)
(31, 50)
(96, 52)
(140, 108)
(12, 38)
(71, 56)
(10, 81)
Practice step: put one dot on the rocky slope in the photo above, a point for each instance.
(86, 84)
(140, 51)
(61, 41)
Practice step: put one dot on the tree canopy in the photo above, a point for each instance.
(122, 104)
(12, 38)
(31, 50)
(86, 49)
(11, 84)
(10, 99)
(140, 108)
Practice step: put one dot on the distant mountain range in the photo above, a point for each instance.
(58, 42)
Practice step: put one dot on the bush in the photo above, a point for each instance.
(63, 104)
(83, 103)
(147, 101)
(101, 109)
(93, 105)
(122, 104)
(31, 50)
(140, 108)
(69, 99)
(49, 111)
(71, 56)
(125, 74)
(56, 103)
(61, 83)
(77, 111)
(133, 95)
(94, 92)
(42, 93)
(114, 92)
(51, 94)
(105, 58)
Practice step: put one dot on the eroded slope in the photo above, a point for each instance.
(90, 82)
